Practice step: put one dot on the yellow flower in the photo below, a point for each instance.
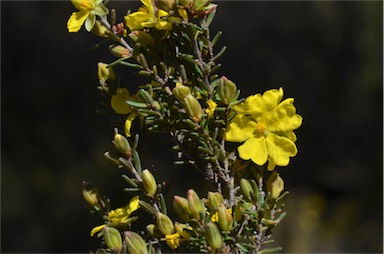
(211, 108)
(88, 9)
(119, 101)
(173, 240)
(120, 217)
(266, 125)
(128, 124)
(147, 17)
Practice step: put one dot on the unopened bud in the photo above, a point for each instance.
(135, 243)
(246, 188)
(120, 51)
(226, 90)
(214, 200)
(196, 205)
(149, 182)
(99, 30)
(213, 236)
(225, 217)
(153, 230)
(181, 207)
(275, 185)
(165, 224)
(122, 144)
(181, 91)
(183, 230)
(143, 38)
(165, 5)
(113, 239)
(193, 107)
(104, 72)
(199, 5)
(90, 194)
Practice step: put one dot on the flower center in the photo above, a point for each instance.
(261, 128)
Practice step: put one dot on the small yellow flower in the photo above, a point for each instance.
(173, 240)
(147, 17)
(266, 125)
(128, 124)
(119, 101)
(120, 217)
(88, 10)
(211, 108)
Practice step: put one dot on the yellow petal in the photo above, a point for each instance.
(253, 105)
(280, 149)
(254, 149)
(240, 129)
(76, 20)
(134, 204)
(272, 98)
(118, 101)
(183, 13)
(97, 229)
(128, 124)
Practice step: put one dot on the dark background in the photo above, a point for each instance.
(327, 55)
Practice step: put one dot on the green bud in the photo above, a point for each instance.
(120, 51)
(214, 200)
(180, 206)
(199, 5)
(181, 91)
(165, 5)
(104, 72)
(113, 239)
(90, 194)
(213, 236)
(122, 144)
(246, 188)
(183, 230)
(275, 185)
(135, 243)
(225, 217)
(196, 205)
(165, 224)
(149, 182)
(193, 107)
(185, 3)
(226, 89)
(153, 230)
(99, 30)
(143, 38)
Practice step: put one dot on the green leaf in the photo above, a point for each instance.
(270, 250)
(136, 104)
(147, 207)
(130, 181)
(216, 38)
(163, 206)
(210, 18)
(137, 162)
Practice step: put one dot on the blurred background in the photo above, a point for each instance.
(327, 55)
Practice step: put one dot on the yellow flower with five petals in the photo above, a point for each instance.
(265, 124)
(88, 10)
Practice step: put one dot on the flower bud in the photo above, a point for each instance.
(275, 185)
(135, 243)
(225, 217)
(246, 188)
(165, 5)
(165, 224)
(199, 5)
(104, 72)
(181, 91)
(149, 182)
(99, 30)
(113, 239)
(193, 107)
(120, 51)
(122, 144)
(196, 205)
(153, 230)
(213, 236)
(214, 200)
(90, 194)
(180, 206)
(226, 89)
(143, 38)
(183, 230)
